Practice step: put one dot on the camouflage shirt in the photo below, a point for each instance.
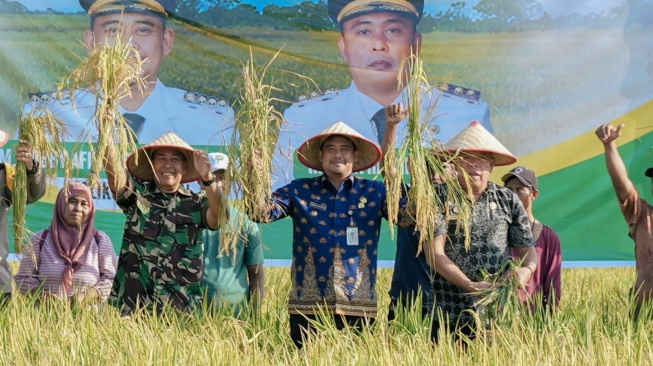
(161, 261)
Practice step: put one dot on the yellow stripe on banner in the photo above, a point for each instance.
(638, 123)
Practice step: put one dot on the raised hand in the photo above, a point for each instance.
(202, 164)
(608, 133)
(395, 113)
(24, 154)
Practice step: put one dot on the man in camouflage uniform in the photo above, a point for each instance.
(161, 261)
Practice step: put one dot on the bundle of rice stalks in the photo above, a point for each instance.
(500, 302)
(46, 134)
(110, 72)
(257, 126)
(427, 163)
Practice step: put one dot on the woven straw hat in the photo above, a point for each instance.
(4, 138)
(139, 164)
(369, 153)
(475, 138)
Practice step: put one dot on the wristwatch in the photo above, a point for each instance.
(34, 169)
(207, 183)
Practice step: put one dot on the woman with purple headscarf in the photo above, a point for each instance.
(71, 259)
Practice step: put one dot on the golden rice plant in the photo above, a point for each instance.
(110, 73)
(500, 302)
(427, 162)
(257, 125)
(46, 133)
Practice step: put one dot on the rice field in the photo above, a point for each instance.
(591, 328)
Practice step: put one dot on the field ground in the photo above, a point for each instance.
(591, 328)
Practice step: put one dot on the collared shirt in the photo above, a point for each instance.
(326, 270)
(639, 216)
(308, 118)
(165, 109)
(161, 260)
(225, 274)
(499, 223)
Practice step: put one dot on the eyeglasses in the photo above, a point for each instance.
(520, 190)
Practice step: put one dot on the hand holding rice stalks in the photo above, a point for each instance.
(46, 134)
(500, 301)
(427, 165)
(257, 125)
(111, 73)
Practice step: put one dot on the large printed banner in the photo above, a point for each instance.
(542, 75)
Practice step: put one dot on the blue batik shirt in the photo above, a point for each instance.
(326, 271)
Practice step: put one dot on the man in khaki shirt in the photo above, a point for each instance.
(637, 212)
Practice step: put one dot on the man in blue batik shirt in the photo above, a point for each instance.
(336, 228)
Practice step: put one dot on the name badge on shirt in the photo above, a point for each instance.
(352, 235)
(352, 230)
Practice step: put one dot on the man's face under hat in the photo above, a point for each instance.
(142, 23)
(338, 155)
(169, 168)
(525, 175)
(375, 40)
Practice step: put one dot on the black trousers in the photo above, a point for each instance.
(302, 325)
(4, 299)
(467, 329)
(407, 305)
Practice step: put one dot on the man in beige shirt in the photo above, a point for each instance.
(637, 212)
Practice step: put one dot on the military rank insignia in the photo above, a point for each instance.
(315, 97)
(44, 97)
(197, 99)
(473, 96)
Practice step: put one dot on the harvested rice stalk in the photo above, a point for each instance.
(46, 134)
(426, 162)
(257, 123)
(500, 302)
(110, 72)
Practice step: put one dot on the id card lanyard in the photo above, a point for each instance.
(352, 230)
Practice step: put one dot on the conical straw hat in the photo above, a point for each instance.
(475, 138)
(369, 153)
(4, 137)
(139, 163)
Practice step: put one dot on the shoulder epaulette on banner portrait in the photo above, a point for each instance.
(315, 97)
(471, 95)
(197, 99)
(44, 97)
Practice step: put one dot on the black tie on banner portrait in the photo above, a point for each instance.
(135, 122)
(380, 122)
